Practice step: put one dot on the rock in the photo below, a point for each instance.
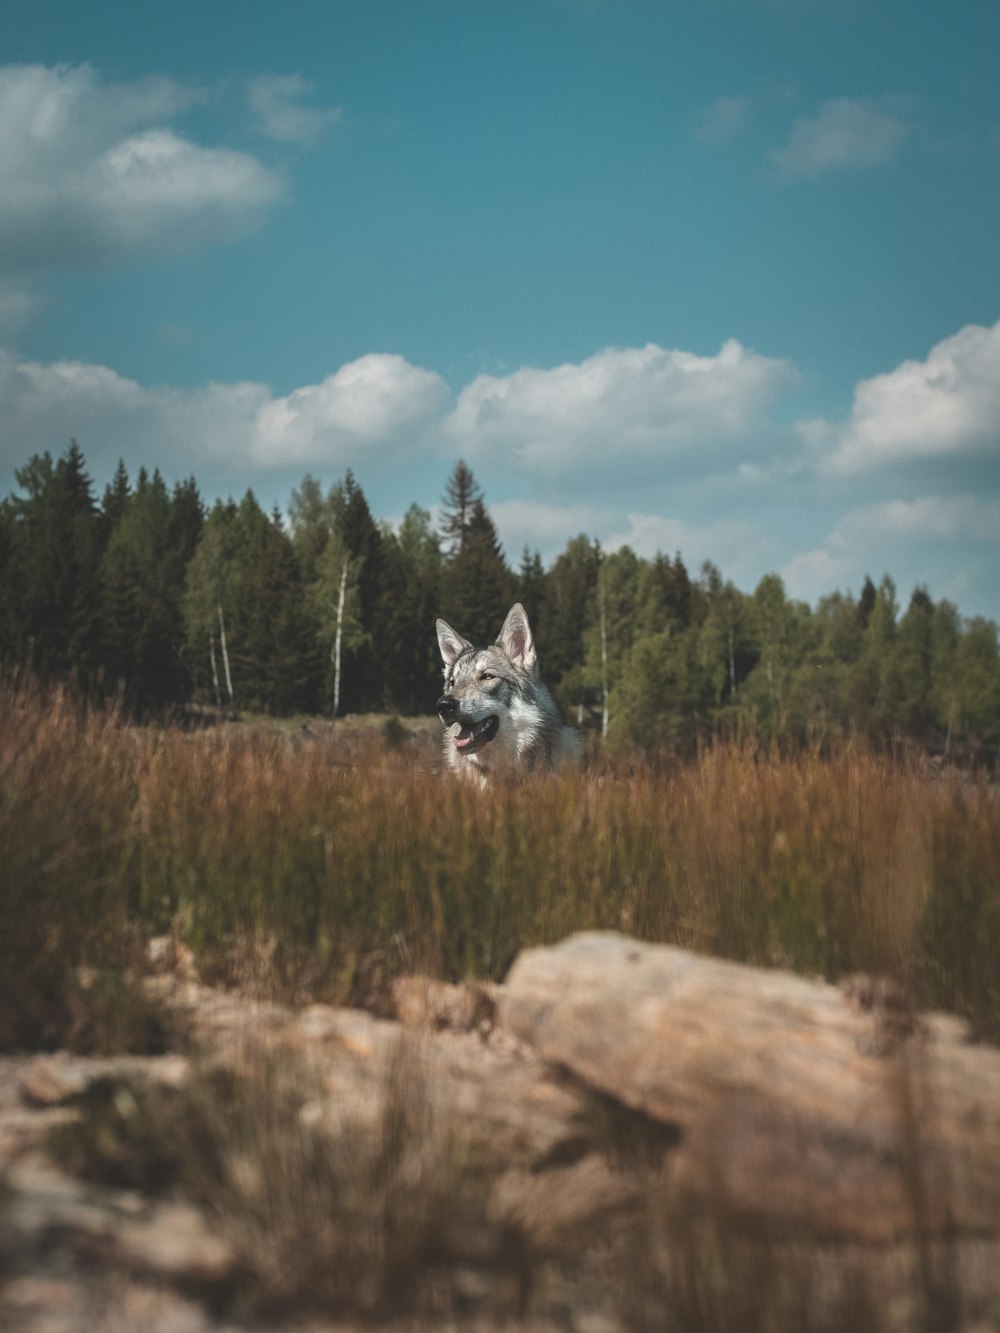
(618, 1092)
(807, 1111)
(423, 1002)
(53, 1080)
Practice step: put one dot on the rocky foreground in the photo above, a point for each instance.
(621, 1136)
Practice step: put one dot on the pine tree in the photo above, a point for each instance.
(364, 669)
(477, 589)
(116, 498)
(211, 591)
(913, 654)
(310, 518)
(977, 665)
(531, 585)
(570, 599)
(664, 600)
(270, 636)
(611, 628)
(462, 494)
(54, 531)
(140, 613)
(413, 581)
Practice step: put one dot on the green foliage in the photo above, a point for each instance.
(54, 538)
(142, 579)
(130, 600)
(569, 604)
(414, 566)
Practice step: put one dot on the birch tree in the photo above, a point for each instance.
(211, 588)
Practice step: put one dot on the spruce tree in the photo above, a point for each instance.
(364, 669)
(462, 494)
(477, 589)
(54, 531)
(412, 603)
(570, 599)
(142, 574)
(531, 585)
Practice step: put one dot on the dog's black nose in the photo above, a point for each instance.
(446, 708)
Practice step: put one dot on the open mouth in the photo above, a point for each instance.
(474, 737)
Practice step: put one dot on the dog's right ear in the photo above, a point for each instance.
(452, 645)
(515, 638)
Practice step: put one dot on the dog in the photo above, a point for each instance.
(499, 718)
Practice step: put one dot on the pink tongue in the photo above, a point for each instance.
(461, 740)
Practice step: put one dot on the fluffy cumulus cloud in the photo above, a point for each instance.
(369, 403)
(94, 171)
(621, 404)
(600, 425)
(945, 407)
(180, 429)
(847, 133)
(369, 408)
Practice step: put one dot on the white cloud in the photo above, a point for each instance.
(46, 404)
(932, 517)
(726, 119)
(369, 407)
(621, 404)
(92, 171)
(935, 539)
(944, 407)
(275, 100)
(542, 526)
(848, 133)
(812, 574)
(366, 403)
(386, 418)
(742, 550)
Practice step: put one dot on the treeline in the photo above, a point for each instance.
(148, 595)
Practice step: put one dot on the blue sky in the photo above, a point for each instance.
(715, 275)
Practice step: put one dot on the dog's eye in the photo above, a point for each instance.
(487, 675)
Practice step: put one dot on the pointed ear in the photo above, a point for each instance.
(452, 645)
(515, 638)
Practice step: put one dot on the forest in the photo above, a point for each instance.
(146, 595)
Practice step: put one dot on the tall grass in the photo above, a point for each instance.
(287, 865)
(69, 946)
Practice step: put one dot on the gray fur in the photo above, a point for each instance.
(500, 719)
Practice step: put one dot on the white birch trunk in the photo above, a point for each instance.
(732, 659)
(225, 660)
(338, 639)
(215, 670)
(604, 669)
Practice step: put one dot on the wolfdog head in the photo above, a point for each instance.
(494, 707)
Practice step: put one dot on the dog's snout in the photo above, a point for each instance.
(447, 707)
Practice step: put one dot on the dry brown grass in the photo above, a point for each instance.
(311, 871)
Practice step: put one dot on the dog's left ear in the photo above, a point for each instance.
(515, 639)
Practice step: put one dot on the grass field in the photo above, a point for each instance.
(320, 861)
